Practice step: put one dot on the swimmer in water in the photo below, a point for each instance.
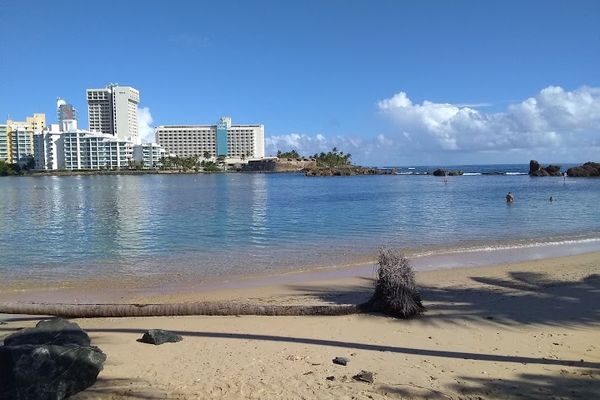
(509, 197)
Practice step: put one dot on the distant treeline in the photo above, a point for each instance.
(331, 159)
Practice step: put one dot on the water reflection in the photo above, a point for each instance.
(225, 223)
(258, 208)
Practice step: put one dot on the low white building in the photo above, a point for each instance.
(237, 143)
(149, 155)
(92, 150)
(76, 149)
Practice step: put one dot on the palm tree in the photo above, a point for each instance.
(155, 310)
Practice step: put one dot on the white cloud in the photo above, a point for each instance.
(554, 125)
(554, 118)
(145, 129)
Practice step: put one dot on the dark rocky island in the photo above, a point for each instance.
(349, 170)
(444, 172)
(536, 169)
(589, 169)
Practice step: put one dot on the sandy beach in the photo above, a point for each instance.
(522, 330)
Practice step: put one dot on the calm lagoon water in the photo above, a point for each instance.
(229, 224)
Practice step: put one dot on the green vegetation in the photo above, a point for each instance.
(288, 154)
(24, 166)
(180, 163)
(333, 159)
(9, 169)
(210, 166)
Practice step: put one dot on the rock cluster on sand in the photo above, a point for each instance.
(54, 360)
(586, 170)
(364, 376)
(536, 169)
(158, 336)
(341, 360)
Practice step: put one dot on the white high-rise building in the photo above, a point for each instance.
(235, 142)
(48, 149)
(113, 110)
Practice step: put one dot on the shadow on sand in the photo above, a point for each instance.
(522, 298)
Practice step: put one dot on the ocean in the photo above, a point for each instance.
(225, 225)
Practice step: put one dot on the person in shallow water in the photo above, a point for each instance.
(509, 197)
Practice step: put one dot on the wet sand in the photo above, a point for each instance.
(521, 330)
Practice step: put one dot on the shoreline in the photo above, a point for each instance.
(170, 287)
(515, 330)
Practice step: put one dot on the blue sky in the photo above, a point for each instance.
(392, 82)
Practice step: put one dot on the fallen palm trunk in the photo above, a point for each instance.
(161, 310)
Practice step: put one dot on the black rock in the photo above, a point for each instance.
(536, 169)
(47, 372)
(330, 378)
(440, 172)
(158, 336)
(364, 376)
(341, 360)
(586, 170)
(55, 331)
(534, 166)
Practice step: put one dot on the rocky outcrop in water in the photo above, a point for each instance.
(536, 169)
(589, 169)
(54, 360)
(348, 171)
(444, 172)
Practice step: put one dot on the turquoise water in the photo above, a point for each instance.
(229, 224)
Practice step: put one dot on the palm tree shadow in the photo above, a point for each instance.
(573, 384)
(523, 298)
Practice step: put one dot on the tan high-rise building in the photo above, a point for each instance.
(113, 110)
(19, 137)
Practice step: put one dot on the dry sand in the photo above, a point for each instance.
(527, 330)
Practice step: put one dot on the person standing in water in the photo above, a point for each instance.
(509, 197)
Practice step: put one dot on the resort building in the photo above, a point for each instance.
(113, 110)
(237, 143)
(16, 138)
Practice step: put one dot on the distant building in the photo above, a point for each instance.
(92, 150)
(19, 138)
(113, 110)
(149, 155)
(3, 142)
(67, 115)
(235, 142)
(78, 149)
(49, 149)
